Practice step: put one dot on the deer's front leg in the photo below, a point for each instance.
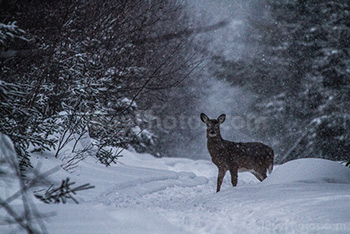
(221, 176)
(234, 175)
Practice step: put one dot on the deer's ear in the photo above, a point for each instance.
(221, 118)
(204, 118)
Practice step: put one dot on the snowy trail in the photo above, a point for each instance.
(182, 198)
(143, 194)
(182, 192)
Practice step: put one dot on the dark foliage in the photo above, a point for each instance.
(300, 70)
(107, 157)
(85, 68)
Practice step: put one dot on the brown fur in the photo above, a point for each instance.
(234, 157)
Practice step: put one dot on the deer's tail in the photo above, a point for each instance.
(270, 168)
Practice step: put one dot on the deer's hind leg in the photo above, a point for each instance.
(234, 175)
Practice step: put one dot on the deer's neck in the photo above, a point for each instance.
(215, 140)
(216, 146)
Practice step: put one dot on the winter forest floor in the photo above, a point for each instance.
(143, 194)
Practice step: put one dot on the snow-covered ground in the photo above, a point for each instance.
(143, 194)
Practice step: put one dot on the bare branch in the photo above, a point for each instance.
(183, 33)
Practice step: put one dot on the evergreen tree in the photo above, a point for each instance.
(300, 69)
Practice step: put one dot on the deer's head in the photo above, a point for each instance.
(213, 125)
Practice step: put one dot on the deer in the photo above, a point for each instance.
(235, 157)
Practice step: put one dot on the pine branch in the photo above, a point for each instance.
(62, 193)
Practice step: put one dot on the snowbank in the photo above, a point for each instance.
(309, 170)
(9, 170)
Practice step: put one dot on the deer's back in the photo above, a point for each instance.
(253, 153)
(242, 155)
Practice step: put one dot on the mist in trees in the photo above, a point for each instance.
(300, 71)
(97, 77)
(138, 74)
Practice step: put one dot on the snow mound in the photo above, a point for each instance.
(309, 170)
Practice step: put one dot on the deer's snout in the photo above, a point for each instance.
(211, 133)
